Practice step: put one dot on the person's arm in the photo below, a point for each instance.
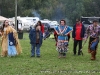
(73, 32)
(0, 33)
(30, 35)
(84, 29)
(55, 36)
(56, 30)
(99, 31)
(69, 31)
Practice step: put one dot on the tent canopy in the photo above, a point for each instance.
(3, 18)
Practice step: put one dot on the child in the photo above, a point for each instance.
(11, 45)
(35, 37)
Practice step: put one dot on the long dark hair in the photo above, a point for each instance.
(40, 24)
(3, 25)
(1, 29)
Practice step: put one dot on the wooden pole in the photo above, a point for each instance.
(16, 14)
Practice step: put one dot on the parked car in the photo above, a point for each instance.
(86, 21)
(53, 24)
(46, 26)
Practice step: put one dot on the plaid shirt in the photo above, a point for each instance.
(92, 31)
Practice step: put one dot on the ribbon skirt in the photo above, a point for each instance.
(62, 46)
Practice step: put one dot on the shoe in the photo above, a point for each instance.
(74, 54)
(60, 55)
(64, 55)
(79, 53)
(32, 56)
(38, 56)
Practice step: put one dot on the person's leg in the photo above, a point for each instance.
(38, 50)
(90, 40)
(64, 55)
(68, 38)
(93, 48)
(59, 45)
(32, 50)
(94, 45)
(65, 45)
(14, 52)
(80, 46)
(93, 53)
(89, 51)
(75, 45)
(9, 51)
(59, 55)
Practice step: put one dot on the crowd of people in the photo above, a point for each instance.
(79, 33)
(10, 45)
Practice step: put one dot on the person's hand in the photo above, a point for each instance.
(73, 38)
(94, 40)
(43, 34)
(58, 33)
(83, 38)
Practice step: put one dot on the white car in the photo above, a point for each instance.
(53, 24)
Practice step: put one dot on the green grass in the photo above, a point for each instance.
(48, 63)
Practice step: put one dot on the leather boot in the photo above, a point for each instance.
(93, 55)
(89, 51)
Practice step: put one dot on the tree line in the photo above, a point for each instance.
(51, 9)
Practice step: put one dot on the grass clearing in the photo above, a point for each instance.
(48, 63)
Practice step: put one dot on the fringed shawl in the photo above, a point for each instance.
(4, 40)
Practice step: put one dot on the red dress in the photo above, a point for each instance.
(42, 28)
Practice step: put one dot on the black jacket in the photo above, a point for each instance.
(82, 31)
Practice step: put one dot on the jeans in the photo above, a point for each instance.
(11, 50)
(37, 46)
(94, 45)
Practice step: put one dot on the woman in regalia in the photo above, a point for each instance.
(9, 41)
(62, 41)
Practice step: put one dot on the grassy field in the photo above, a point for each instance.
(48, 63)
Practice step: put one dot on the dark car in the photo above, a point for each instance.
(46, 26)
(86, 21)
(46, 30)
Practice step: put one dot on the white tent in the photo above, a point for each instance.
(3, 18)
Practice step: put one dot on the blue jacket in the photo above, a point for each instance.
(32, 36)
(82, 31)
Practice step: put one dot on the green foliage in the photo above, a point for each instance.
(52, 9)
(27, 13)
